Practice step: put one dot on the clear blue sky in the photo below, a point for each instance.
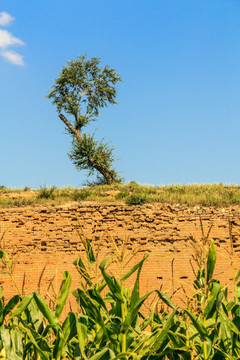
(178, 113)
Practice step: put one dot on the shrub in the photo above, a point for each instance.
(47, 192)
(26, 188)
(136, 199)
(81, 194)
(121, 195)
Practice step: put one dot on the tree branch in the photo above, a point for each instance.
(71, 128)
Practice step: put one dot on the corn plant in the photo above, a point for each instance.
(112, 323)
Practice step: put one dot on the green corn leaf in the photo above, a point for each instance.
(212, 302)
(22, 306)
(59, 347)
(236, 322)
(38, 342)
(211, 261)
(100, 355)
(47, 313)
(126, 355)
(134, 268)
(135, 292)
(69, 327)
(165, 299)
(82, 270)
(2, 253)
(1, 308)
(100, 287)
(12, 340)
(90, 252)
(144, 324)
(133, 311)
(68, 332)
(34, 315)
(61, 301)
(225, 335)
(210, 323)
(88, 248)
(96, 298)
(10, 305)
(162, 334)
(90, 307)
(197, 324)
(178, 340)
(237, 276)
(112, 283)
(81, 327)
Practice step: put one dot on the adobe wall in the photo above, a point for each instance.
(45, 237)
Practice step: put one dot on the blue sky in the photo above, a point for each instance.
(178, 113)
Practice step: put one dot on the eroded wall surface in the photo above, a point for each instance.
(43, 242)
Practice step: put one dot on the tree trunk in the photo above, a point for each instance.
(106, 174)
(71, 128)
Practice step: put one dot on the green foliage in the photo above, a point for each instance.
(81, 90)
(81, 194)
(122, 195)
(93, 155)
(46, 192)
(110, 323)
(84, 76)
(136, 199)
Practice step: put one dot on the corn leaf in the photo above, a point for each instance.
(12, 340)
(112, 283)
(133, 311)
(45, 310)
(135, 292)
(38, 341)
(81, 327)
(165, 299)
(82, 270)
(22, 306)
(161, 336)
(211, 261)
(134, 268)
(61, 301)
(197, 324)
(212, 302)
(99, 355)
(10, 305)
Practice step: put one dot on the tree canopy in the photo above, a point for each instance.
(81, 90)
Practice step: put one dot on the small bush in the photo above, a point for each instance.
(47, 192)
(26, 188)
(136, 199)
(81, 194)
(121, 195)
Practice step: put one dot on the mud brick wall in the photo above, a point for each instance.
(46, 238)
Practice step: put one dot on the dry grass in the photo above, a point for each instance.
(217, 195)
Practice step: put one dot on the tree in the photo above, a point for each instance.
(80, 91)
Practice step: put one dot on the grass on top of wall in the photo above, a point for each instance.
(217, 195)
